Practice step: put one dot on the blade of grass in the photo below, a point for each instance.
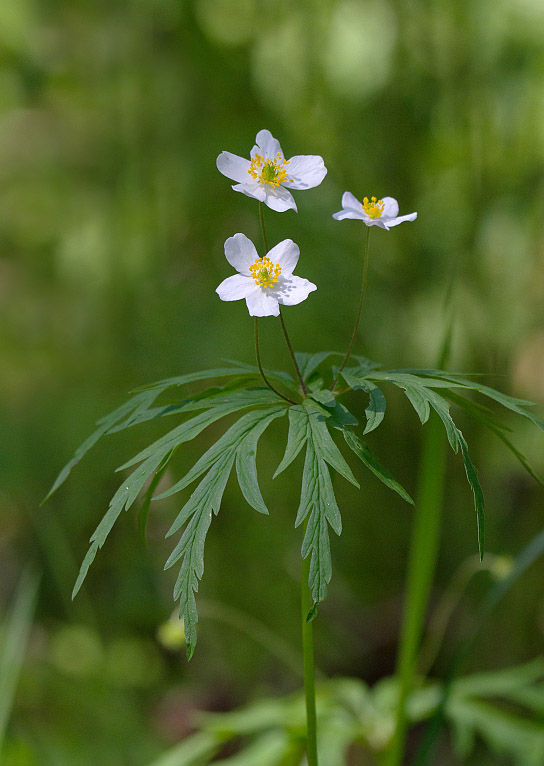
(422, 559)
(532, 551)
(423, 552)
(13, 646)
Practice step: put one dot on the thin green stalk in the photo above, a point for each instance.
(423, 553)
(259, 365)
(309, 669)
(284, 328)
(359, 310)
(293, 357)
(263, 227)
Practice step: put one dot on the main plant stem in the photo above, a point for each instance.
(359, 310)
(309, 668)
(303, 388)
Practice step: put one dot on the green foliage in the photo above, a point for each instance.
(311, 425)
(504, 708)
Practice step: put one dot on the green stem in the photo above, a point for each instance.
(258, 355)
(284, 328)
(423, 552)
(263, 228)
(293, 357)
(359, 310)
(309, 669)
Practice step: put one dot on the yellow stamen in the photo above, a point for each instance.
(264, 272)
(374, 208)
(269, 171)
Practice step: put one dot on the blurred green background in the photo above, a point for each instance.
(112, 223)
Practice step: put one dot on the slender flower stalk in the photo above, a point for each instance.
(359, 310)
(259, 365)
(303, 388)
(263, 227)
(283, 326)
(309, 668)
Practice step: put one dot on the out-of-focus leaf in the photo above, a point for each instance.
(197, 750)
(269, 749)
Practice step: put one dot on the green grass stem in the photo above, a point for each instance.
(422, 559)
(309, 668)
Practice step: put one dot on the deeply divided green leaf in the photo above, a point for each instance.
(324, 445)
(375, 411)
(238, 443)
(229, 442)
(296, 438)
(318, 506)
(246, 465)
(106, 424)
(365, 454)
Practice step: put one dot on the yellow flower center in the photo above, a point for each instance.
(269, 171)
(264, 272)
(374, 208)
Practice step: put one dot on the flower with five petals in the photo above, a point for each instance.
(263, 282)
(374, 212)
(268, 176)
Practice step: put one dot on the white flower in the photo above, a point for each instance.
(263, 282)
(268, 175)
(376, 212)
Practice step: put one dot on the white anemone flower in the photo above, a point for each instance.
(263, 282)
(268, 176)
(374, 212)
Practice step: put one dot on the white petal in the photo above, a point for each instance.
(262, 302)
(351, 208)
(292, 290)
(240, 252)
(348, 214)
(400, 219)
(266, 145)
(278, 198)
(390, 207)
(251, 189)
(350, 202)
(235, 287)
(306, 171)
(285, 254)
(233, 167)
